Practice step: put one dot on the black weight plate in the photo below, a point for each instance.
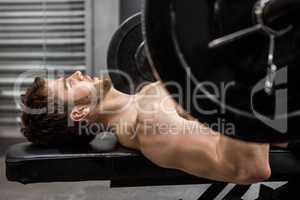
(127, 65)
(177, 35)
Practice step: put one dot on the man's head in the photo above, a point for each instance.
(54, 110)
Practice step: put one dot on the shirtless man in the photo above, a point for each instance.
(149, 121)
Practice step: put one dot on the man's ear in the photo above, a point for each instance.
(79, 113)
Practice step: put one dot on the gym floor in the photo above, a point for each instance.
(91, 190)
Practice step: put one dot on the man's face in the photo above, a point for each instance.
(79, 88)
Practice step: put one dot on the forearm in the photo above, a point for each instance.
(250, 161)
(208, 154)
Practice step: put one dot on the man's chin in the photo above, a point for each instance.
(107, 85)
(103, 85)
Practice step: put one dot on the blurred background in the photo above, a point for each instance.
(65, 35)
(58, 35)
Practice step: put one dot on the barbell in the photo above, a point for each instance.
(233, 62)
(126, 60)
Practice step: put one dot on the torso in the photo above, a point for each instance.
(125, 121)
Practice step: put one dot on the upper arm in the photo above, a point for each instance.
(208, 154)
(175, 145)
(197, 151)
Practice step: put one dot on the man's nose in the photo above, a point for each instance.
(77, 75)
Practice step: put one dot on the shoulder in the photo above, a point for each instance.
(151, 88)
(155, 91)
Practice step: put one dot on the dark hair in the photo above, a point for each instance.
(49, 128)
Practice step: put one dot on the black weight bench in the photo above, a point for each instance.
(26, 163)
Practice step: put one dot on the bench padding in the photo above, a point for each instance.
(27, 163)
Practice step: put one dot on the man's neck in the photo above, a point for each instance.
(114, 103)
